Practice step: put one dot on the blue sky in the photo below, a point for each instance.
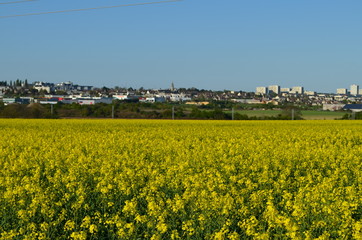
(208, 44)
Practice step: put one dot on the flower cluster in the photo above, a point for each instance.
(152, 179)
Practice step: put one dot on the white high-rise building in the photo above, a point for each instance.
(297, 90)
(342, 91)
(354, 90)
(310, 93)
(274, 89)
(285, 90)
(261, 90)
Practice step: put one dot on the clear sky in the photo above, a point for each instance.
(207, 44)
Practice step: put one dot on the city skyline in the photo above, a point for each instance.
(213, 45)
(354, 89)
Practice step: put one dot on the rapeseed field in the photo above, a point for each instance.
(154, 179)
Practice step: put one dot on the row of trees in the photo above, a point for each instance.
(17, 83)
(24, 111)
(142, 111)
(290, 113)
(133, 110)
(352, 116)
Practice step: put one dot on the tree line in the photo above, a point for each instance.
(17, 83)
(138, 110)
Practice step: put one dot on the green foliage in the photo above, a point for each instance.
(352, 116)
(33, 110)
(141, 110)
(291, 113)
(216, 114)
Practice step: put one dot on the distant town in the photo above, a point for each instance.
(23, 92)
(329, 101)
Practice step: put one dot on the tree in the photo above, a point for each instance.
(2, 106)
(35, 110)
(219, 114)
(13, 111)
(291, 113)
(196, 113)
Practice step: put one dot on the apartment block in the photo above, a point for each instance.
(342, 91)
(297, 90)
(274, 89)
(285, 90)
(261, 90)
(354, 89)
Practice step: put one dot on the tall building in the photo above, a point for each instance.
(354, 90)
(261, 90)
(285, 90)
(342, 91)
(310, 93)
(274, 89)
(172, 88)
(297, 90)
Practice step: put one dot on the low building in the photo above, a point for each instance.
(353, 107)
(7, 101)
(340, 97)
(86, 101)
(152, 99)
(179, 98)
(19, 100)
(94, 101)
(69, 101)
(48, 102)
(333, 107)
(198, 103)
(247, 101)
(43, 86)
(125, 97)
(83, 88)
(3, 89)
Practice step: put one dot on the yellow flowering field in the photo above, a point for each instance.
(164, 179)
